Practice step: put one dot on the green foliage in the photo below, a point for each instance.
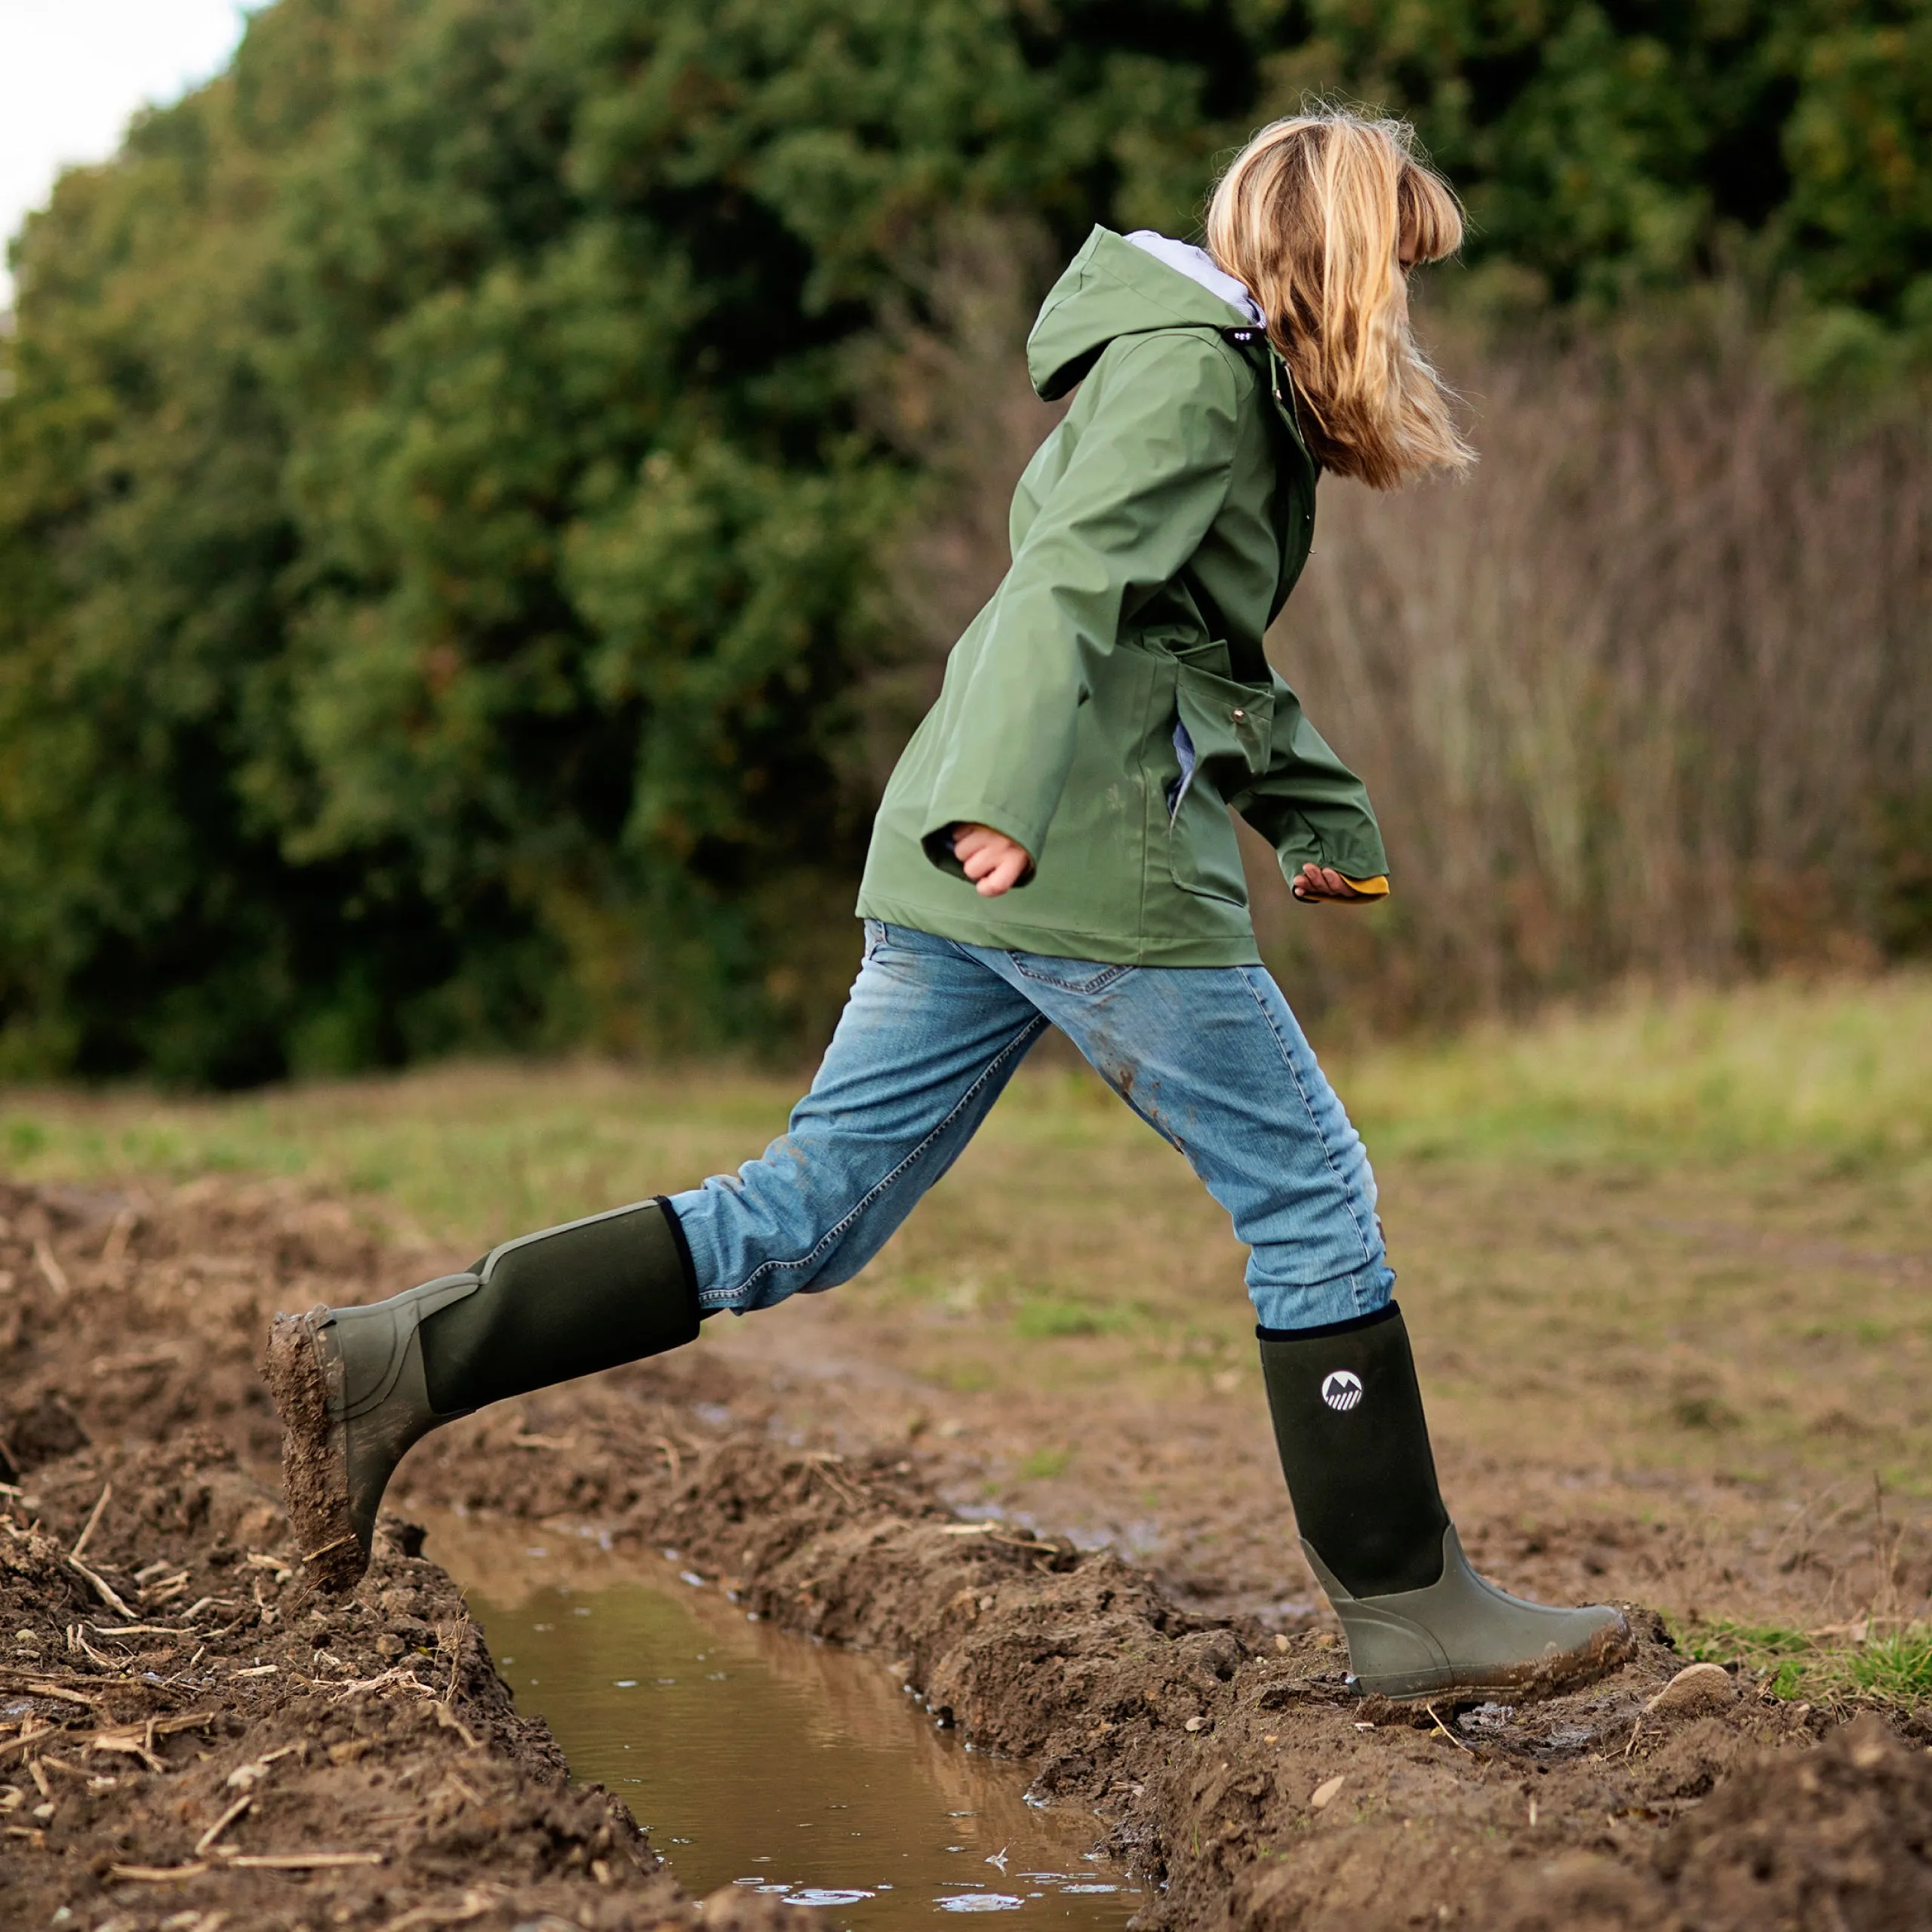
(440, 521)
(1606, 150)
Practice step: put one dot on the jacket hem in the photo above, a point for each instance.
(1012, 935)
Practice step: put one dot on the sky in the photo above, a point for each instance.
(72, 71)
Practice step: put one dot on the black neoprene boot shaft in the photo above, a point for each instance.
(562, 1303)
(1355, 1446)
(1420, 1622)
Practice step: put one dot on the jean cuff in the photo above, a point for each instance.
(1285, 1305)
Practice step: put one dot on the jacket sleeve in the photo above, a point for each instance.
(1145, 483)
(1308, 804)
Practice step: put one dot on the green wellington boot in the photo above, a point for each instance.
(1420, 1622)
(356, 1387)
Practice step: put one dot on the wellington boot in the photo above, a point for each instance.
(356, 1387)
(1420, 1622)
(1461, 1633)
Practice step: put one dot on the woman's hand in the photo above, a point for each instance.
(993, 862)
(1325, 882)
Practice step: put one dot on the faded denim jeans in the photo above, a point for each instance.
(1211, 1057)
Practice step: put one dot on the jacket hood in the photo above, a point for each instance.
(1111, 288)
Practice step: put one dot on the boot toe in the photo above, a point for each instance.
(314, 1464)
(1485, 1639)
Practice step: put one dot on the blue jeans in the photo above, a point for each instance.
(1211, 1057)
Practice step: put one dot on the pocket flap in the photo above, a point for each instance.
(1228, 721)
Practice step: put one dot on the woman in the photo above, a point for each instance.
(1055, 849)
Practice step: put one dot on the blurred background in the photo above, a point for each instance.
(487, 487)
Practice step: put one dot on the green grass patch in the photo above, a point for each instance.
(1898, 1669)
(1043, 1465)
(1840, 1070)
(1895, 1668)
(1050, 1318)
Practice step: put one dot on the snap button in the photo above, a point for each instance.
(1239, 715)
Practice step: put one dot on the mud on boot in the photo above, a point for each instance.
(355, 1388)
(1419, 1622)
(1462, 1633)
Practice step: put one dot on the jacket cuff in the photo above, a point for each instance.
(937, 846)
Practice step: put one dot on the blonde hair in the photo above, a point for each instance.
(1321, 215)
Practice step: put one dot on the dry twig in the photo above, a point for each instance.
(93, 1519)
(106, 1589)
(1447, 1732)
(57, 1275)
(206, 1842)
(472, 1904)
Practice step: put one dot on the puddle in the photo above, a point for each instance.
(763, 1759)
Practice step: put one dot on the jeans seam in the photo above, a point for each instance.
(724, 1298)
(1092, 986)
(1321, 1132)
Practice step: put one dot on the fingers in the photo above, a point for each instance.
(994, 863)
(997, 867)
(1316, 882)
(1005, 874)
(969, 839)
(982, 855)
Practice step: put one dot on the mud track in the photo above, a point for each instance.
(1226, 1761)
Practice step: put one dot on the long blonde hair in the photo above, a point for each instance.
(1321, 215)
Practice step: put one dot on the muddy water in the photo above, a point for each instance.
(757, 1758)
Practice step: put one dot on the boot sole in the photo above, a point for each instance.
(1608, 1650)
(315, 1460)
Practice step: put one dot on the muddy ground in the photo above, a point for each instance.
(188, 1739)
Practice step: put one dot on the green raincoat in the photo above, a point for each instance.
(1155, 534)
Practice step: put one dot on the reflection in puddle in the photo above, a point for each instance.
(765, 1760)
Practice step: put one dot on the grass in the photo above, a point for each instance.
(1895, 1669)
(1841, 1071)
(1840, 1074)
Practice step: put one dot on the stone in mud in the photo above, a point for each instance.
(1696, 1690)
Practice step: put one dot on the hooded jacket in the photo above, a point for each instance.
(1112, 699)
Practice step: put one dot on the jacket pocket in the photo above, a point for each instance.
(1223, 739)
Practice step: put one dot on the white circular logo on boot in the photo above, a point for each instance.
(1342, 1389)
